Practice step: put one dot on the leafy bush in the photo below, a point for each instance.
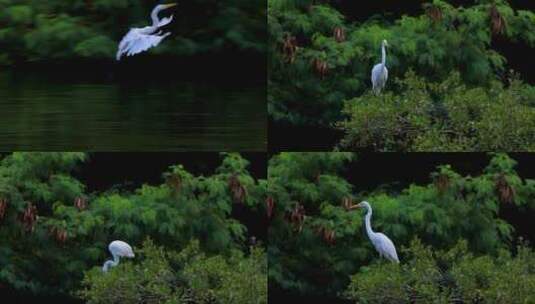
(315, 244)
(188, 276)
(447, 116)
(454, 275)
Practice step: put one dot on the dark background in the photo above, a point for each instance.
(287, 137)
(396, 171)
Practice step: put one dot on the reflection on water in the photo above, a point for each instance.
(44, 114)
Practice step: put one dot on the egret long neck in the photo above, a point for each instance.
(154, 16)
(383, 61)
(367, 221)
(111, 263)
(115, 260)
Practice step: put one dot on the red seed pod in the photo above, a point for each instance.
(497, 22)
(289, 48)
(3, 208)
(238, 190)
(442, 182)
(434, 13)
(329, 236)
(347, 202)
(270, 206)
(80, 203)
(29, 218)
(175, 182)
(320, 67)
(61, 235)
(297, 217)
(505, 192)
(339, 34)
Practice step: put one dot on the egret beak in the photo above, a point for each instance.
(357, 206)
(166, 6)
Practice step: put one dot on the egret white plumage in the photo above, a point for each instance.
(118, 249)
(380, 72)
(141, 39)
(381, 242)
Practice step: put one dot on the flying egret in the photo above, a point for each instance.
(380, 72)
(118, 249)
(381, 242)
(141, 39)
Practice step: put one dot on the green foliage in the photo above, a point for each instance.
(303, 258)
(457, 40)
(445, 276)
(188, 276)
(47, 30)
(446, 116)
(49, 253)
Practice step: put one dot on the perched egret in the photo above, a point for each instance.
(381, 242)
(118, 249)
(141, 39)
(380, 72)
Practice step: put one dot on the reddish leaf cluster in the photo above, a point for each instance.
(320, 67)
(297, 217)
(80, 203)
(29, 217)
(339, 34)
(3, 208)
(270, 206)
(497, 22)
(505, 192)
(238, 190)
(289, 48)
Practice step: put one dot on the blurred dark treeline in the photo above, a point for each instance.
(88, 31)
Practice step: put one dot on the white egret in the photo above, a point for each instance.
(380, 72)
(141, 39)
(381, 242)
(118, 250)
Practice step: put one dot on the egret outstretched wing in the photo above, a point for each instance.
(141, 39)
(136, 41)
(165, 21)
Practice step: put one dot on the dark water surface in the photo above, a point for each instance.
(43, 113)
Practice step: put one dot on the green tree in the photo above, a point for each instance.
(315, 244)
(319, 58)
(51, 230)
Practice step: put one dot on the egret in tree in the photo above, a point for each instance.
(141, 39)
(381, 242)
(118, 249)
(380, 72)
